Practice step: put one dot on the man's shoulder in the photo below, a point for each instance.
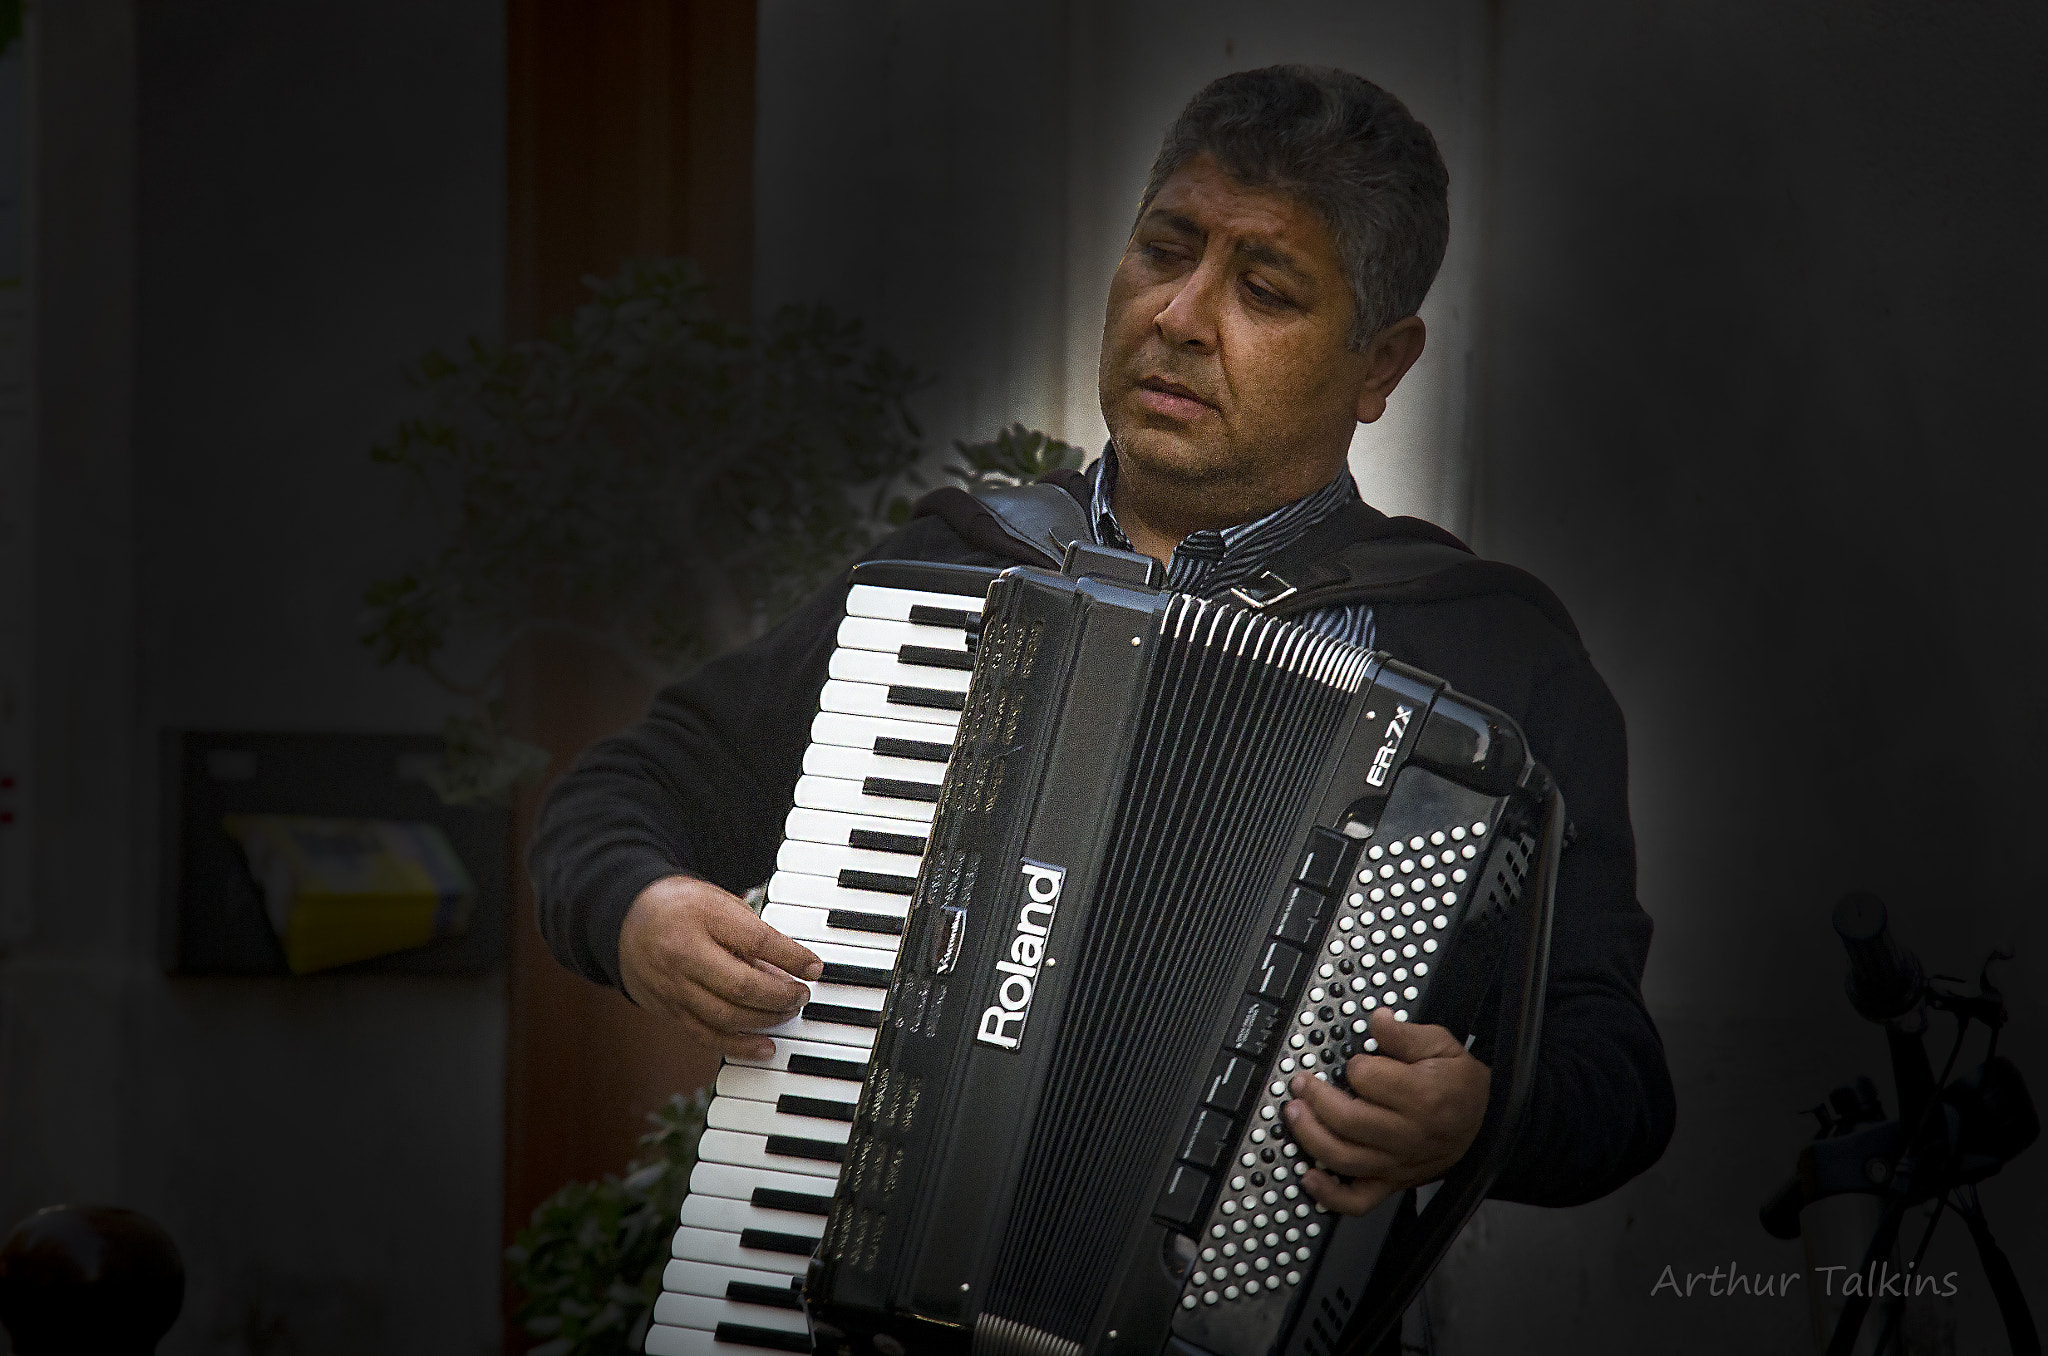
(1497, 646)
(932, 538)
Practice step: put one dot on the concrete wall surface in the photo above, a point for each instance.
(246, 221)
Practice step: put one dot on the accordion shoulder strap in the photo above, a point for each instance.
(1030, 524)
(1360, 555)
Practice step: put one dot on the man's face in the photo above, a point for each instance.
(1225, 371)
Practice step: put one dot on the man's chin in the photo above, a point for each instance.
(1169, 454)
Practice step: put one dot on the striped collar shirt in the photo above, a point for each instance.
(1209, 563)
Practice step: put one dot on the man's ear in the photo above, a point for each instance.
(1387, 359)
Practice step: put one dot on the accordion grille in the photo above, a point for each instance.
(1237, 717)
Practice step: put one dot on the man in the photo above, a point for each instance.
(1264, 305)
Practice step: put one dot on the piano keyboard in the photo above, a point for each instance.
(776, 1128)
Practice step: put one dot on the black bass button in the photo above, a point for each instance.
(1252, 1028)
(1300, 914)
(1230, 1083)
(1320, 860)
(1279, 972)
(1180, 1204)
(1207, 1139)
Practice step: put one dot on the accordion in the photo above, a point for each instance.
(1095, 869)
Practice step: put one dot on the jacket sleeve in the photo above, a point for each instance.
(1602, 1108)
(700, 786)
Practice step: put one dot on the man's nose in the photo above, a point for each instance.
(1188, 319)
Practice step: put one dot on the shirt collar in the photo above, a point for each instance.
(1209, 561)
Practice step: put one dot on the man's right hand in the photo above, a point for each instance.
(695, 954)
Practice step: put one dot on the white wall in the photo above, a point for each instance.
(963, 179)
(245, 221)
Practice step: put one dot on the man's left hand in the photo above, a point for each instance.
(1413, 1110)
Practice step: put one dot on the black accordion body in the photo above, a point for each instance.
(1180, 852)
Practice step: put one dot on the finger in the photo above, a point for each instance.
(741, 932)
(745, 985)
(1334, 1152)
(1411, 1041)
(674, 1003)
(1350, 1117)
(1386, 1083)
(1355, 1198)
(726, 1017)
(731, 1044)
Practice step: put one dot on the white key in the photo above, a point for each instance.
(744, 1150)
(767, 1085)
(665, 1339)
(715, 1245)
(809, 925)
(858, 1040)
(709, 1278)
(761, 1118)
(870, 600)
(837, 793)
(784, 1049)
(723, 1179)
(872, 699)
(823, 892)
(823, 859)
(866, 666)
(861, 732)
(830, 826)
(719, 1212)
(705, 1313)
(834, 760)
(871, 633)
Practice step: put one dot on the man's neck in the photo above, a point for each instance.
(1156, 517)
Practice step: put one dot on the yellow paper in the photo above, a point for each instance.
(342, 890)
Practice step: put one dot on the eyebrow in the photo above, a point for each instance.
(1258, 251)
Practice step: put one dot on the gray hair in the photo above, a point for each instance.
(1348, 149)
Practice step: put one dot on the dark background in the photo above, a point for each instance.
(1737, 348)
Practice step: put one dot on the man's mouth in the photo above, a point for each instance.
(1171, 398)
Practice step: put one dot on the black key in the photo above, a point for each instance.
(875, 841)
(880, 882)
(899, 790)
(921, 749)
(767, 1240)
(924, 656)
(1230, 1083)
(747, 1335)
(1279, 970)
(924, 615)
(832, 1012)
(751, 1292)
(789, 1104)
(930, 697)
(844, 1070)
(1208, 1138)
(1180, 1204)
(1300, 914)
(798, 1202)
(1320, 859)
(860, 976)
(817, 1150)
(1251, 1030)
(864, 922)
